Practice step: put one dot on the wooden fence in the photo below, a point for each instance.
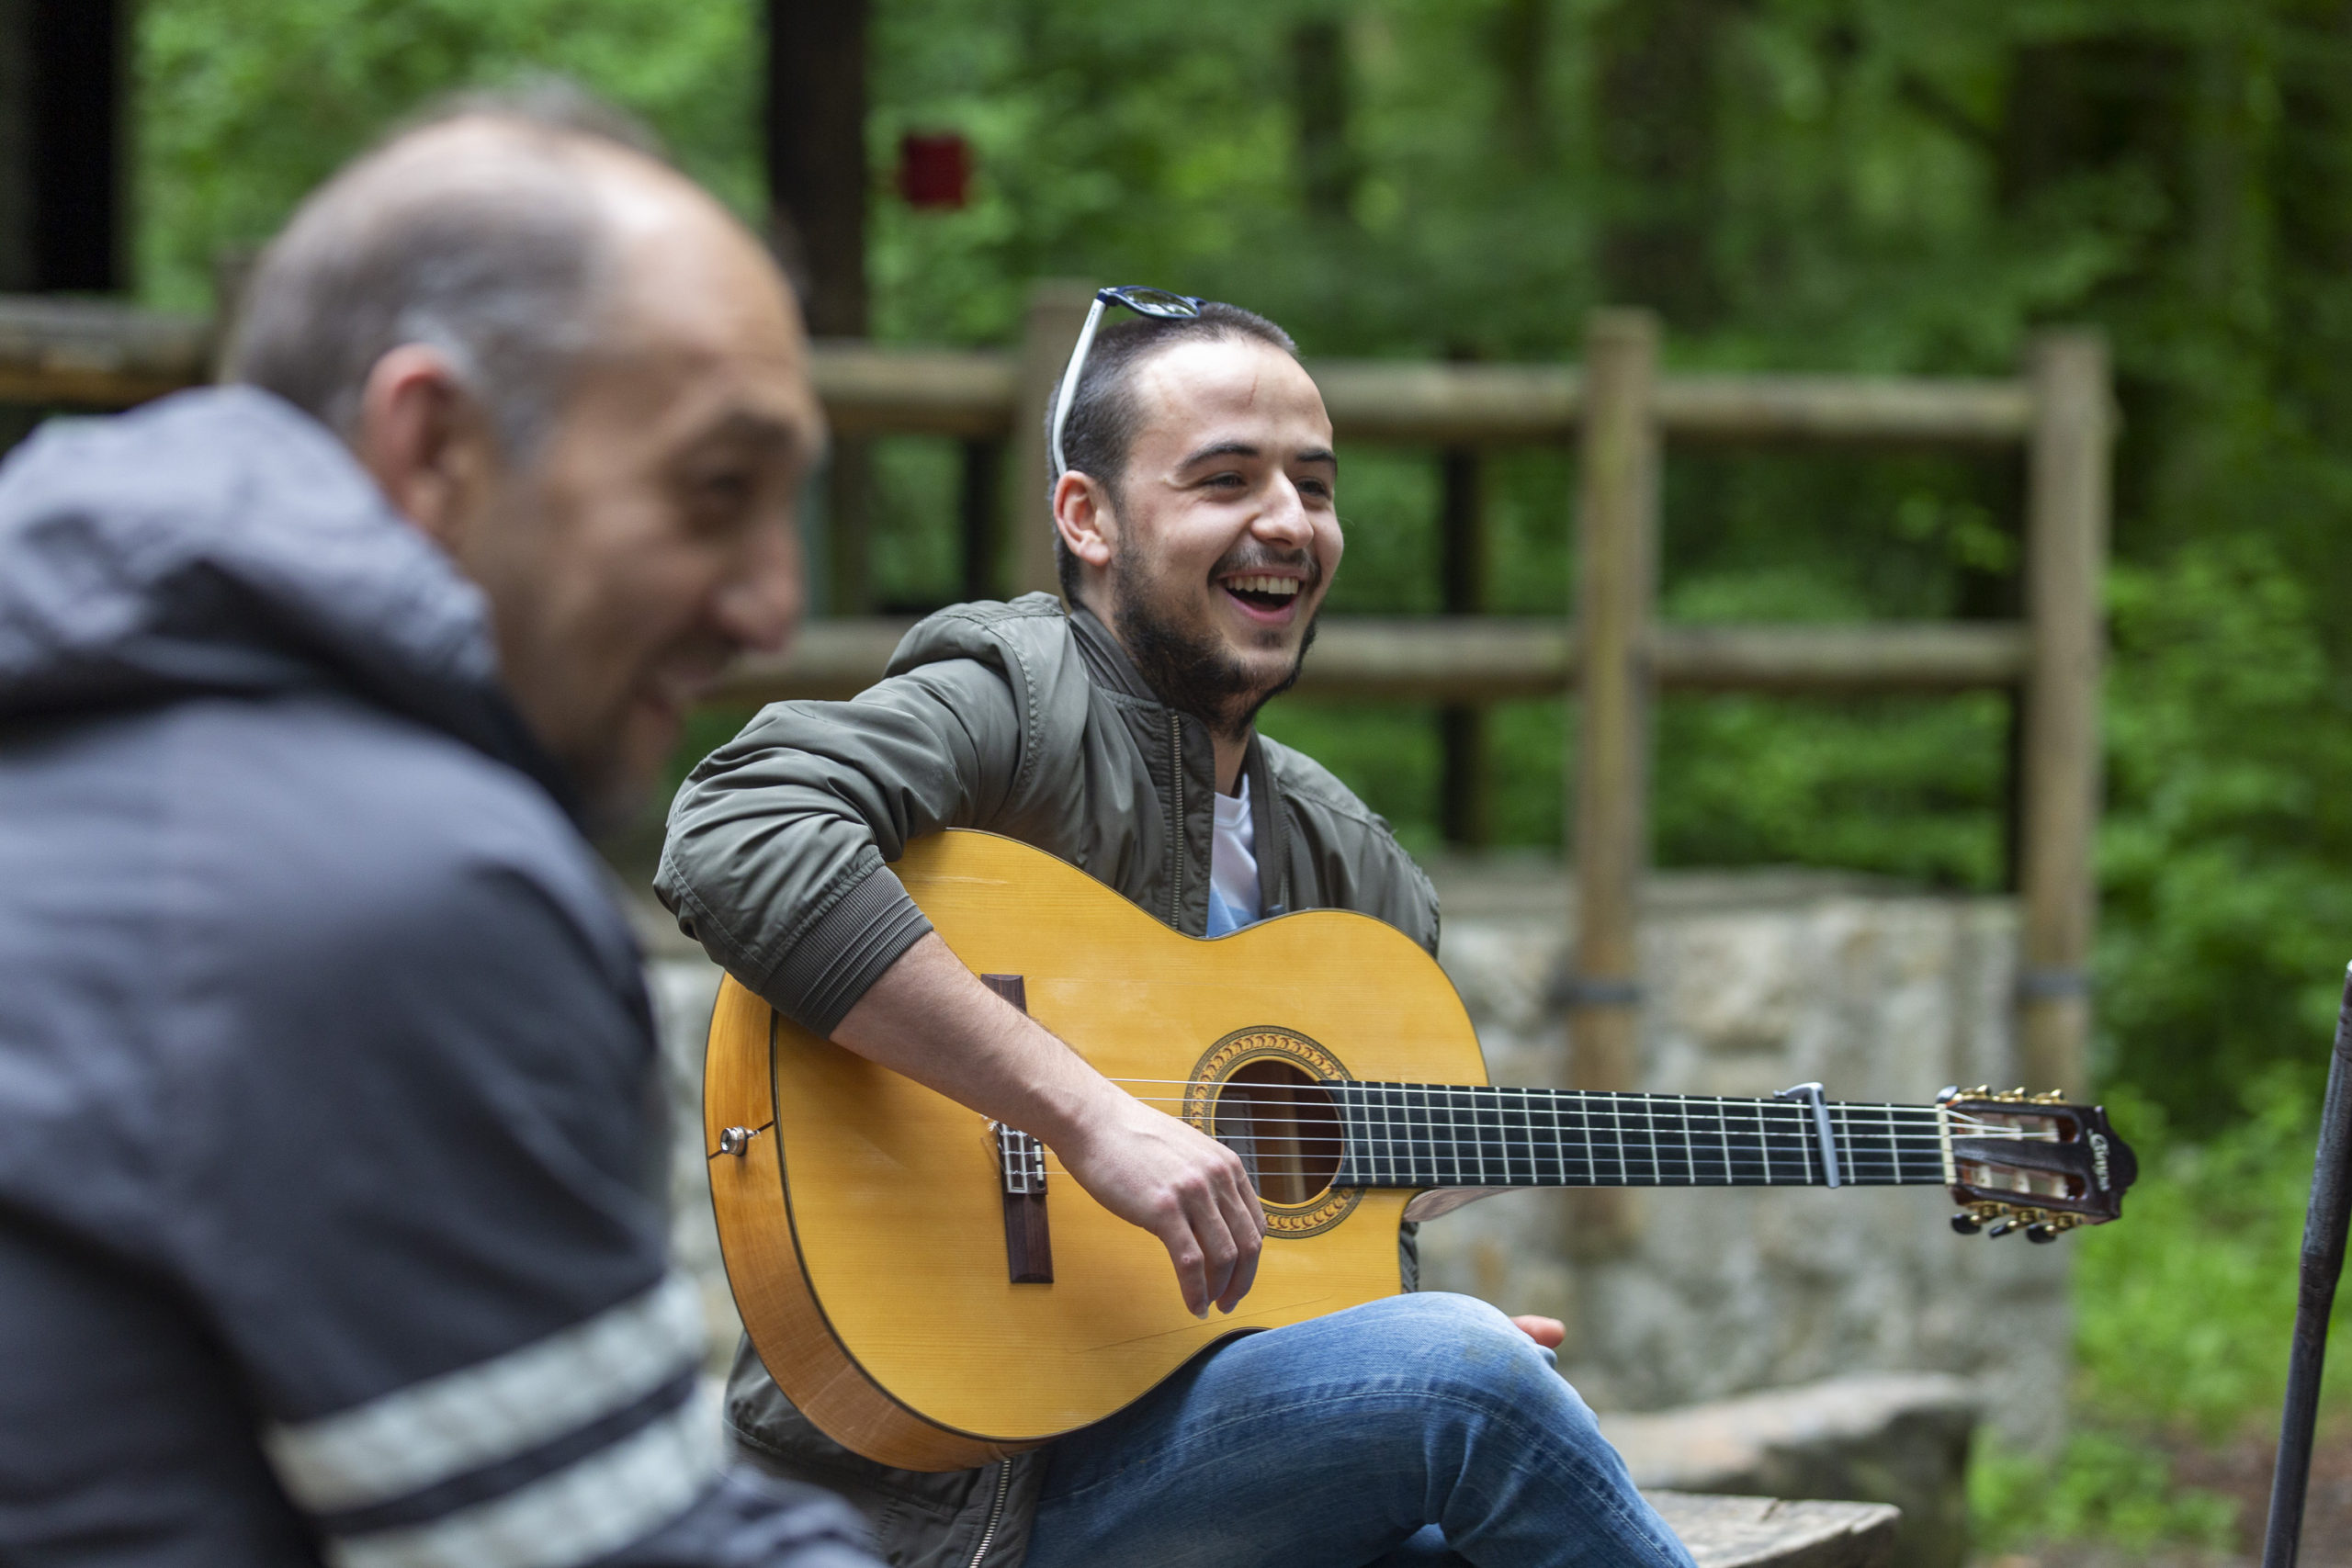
(1612, 654)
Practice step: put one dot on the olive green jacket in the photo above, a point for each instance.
(1024, 720)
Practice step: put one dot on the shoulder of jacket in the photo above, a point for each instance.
(1032, 631)
(1342, 818)
(356, 798)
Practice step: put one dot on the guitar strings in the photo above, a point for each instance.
(1851, 1119)
(1626, 1097)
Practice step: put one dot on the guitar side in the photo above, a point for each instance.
(895, 1326)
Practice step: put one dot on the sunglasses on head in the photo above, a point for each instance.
(1155, 303)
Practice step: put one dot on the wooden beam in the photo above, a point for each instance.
(873, 391)
(2067, 528)
(1874, 657)
(1617, 507)
(97, 354)
(1483, 659)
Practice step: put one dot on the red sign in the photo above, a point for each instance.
(934, 169)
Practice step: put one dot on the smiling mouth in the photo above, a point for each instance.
(1262, 593)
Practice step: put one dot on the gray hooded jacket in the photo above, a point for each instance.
(1024, 720)
(328, 1224)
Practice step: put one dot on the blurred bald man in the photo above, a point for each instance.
(330, 1212)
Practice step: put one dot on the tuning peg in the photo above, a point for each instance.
(1966, 1224)
(2055, 1097)
(2040, 1236)
(2000, 1228)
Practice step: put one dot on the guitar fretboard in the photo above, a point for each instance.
(1402, 1135)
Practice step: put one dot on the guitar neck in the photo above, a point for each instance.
(1425, 1136)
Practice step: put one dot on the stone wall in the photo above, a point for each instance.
(1755, 981)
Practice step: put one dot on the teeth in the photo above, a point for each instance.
(1284, 586)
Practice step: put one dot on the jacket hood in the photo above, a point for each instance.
(222, 542)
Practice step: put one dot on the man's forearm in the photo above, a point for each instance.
(930, 1019)
(933, 1019)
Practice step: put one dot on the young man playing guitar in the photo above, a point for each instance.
(1197, 534)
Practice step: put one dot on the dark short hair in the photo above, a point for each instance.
(1104, 413)
(504, 273)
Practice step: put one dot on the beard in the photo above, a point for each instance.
(1188, 667)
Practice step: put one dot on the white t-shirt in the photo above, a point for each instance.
(1233, 862)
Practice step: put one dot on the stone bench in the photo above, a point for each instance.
(1882, 1437)
(1769, 1532)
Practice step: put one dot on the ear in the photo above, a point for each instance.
(1085, 520)
(422, 436)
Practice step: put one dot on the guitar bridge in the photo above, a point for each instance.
(1022, 1159)
(1021, 1162)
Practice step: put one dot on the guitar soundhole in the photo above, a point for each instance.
(1283, 1124)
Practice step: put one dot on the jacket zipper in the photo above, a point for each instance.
(996, 1511)
(1176, 749)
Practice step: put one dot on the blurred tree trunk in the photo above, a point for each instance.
(2310, 181)
(816, 151)
(1657, 101)
(817, 191)
(2105, 120)
(15, 145)
(1520, 36)
(61, 114)
(1328, 165)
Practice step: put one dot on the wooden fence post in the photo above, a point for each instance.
(1617, 505)
(1464, 809)
(2065, 532)
(1057, 310)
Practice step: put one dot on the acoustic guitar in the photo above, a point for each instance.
(932, 1292)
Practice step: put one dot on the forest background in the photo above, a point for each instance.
(1795, 184)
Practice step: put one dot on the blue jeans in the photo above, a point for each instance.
(1419, 1430)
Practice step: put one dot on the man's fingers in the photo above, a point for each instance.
(1220, 1249)
(1184, 1252)
(1545, 1331)
(1246, 1220)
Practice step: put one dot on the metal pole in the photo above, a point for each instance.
(2323, 1227)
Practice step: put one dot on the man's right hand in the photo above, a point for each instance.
(930, 1018)
(1185, 1187)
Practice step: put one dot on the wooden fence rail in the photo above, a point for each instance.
(1490, 658)
(80, 353)
(1624, 414)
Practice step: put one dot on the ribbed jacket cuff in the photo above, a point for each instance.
(839, 957)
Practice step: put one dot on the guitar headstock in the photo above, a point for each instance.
(2032, 1162)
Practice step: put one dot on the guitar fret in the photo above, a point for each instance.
(1389, 1166)
(1461, 1112)
(1526, 1141)
(1437, 1113)
(1487, 1108)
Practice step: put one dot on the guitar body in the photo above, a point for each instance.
(864, 1221)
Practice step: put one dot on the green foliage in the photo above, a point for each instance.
(2101, 1486)
(2201, 1280)
(244, 105)
(2183, 1317)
